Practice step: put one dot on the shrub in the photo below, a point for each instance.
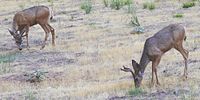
(149, 5)
(106, 3)
(138, 28)
(145, 5)
(30, 95)
(178, 15)
(36, 76)
(134, 21)
(188, 4)
(5, 60)
(87, 6)
(116, 4)
(127, 2)
(135, 91)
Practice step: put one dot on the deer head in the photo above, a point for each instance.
(137, 74)
(18, 38)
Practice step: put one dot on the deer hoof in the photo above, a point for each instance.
(184, 77)
(42, 47)
(152, 84)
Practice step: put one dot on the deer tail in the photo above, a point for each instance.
(51, 13)
(185, 33)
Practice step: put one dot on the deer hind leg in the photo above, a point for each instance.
(46, 34)
(155, 63)
(52, 33)
(27, 30)
(185, 54)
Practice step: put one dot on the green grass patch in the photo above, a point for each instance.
(106, 3)
(5, 60)
(188, 4)
(127, 2)
(29, 95)
(87, 6)
(135, 91)
(149, 5)
(116, 4)
(178, 15)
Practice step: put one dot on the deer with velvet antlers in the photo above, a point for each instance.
(169, 37)
(26, 18)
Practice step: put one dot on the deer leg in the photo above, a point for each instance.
(27, 30)
(152, 79)
(52, 33)
(154, 69)
(184, 53)
(46, 34)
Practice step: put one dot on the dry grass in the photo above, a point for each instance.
(90, 50)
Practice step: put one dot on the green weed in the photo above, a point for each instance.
(5, 60)
(188, 4)
(116, 4)
(178, 15)
(87, 6)
(106, 3)
(135, 91)
(149, 5)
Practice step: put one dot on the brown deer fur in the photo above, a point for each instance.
(169, 37)
(29, 17)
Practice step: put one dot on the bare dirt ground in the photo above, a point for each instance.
(91, 49)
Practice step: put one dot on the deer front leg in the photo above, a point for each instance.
(46, 35)
(52, 33)
(154, 69)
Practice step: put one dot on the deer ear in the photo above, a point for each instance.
(11, 32)
(135, 65)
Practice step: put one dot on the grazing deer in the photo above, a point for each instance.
(169, 37)
(24, 19)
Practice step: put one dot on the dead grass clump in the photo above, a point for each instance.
(36, 76)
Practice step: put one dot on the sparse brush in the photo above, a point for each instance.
(131, 9)
(116, 4)
(36, 76)
(106, 3)
(49, 0)
(5, 60)
(87, 6)
(188, 4)
(145, 5)
(21, 6)
(127, 2)
(134, 21)
(178, 15)
(135, 92)
(149, 5)
(30, 95)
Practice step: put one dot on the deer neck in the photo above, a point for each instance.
(143, 62)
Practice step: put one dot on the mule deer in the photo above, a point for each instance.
(26, 18)
(169, 37)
